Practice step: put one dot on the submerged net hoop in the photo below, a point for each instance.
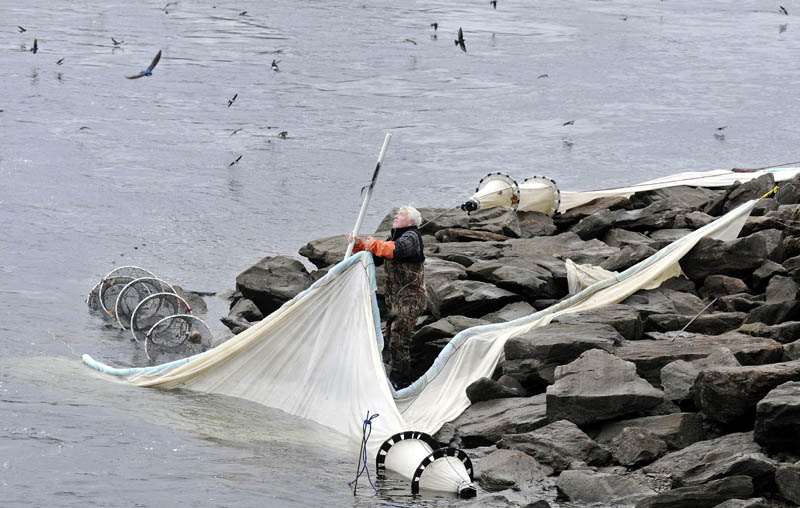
(177, 333)
(539, 194)
(110, 286)
(153, 309)
(133, 293)
(93, 299)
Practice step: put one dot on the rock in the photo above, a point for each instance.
(714, 323)
(510, 312)
(509, 469)
(664, 237)
(484, 423)
(533, 224)
(756, 502)
(467, 297)
(635, 446)
(739, 193)
(783, 332)
(556, 445)
(497, 220)
(724, 463)
(679, 464)
(325, 251)
(487, 389)
(445, 328)
(627, 257)
(468, 235)
(563, 246)
(651, 355)
(694, 220)
(598, 386)
(440, 269)
(194, 300)
(787, 477)
(246, 309)
(677, 378)
(739, 303)
(781, 289)
(737, 257)
(721, 285)
(573, 215)
(791, 351)
(273, 281)
(621, 238)
(236, 324)
(728, 395)
(589, 487)
(623, 318)
(532, 357)
(778, 418)
(664, 301)
(683, 195)
(677, 430)
(466, 253)
(530, 281)
(765, 272)
(701, 496)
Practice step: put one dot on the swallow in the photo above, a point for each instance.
(494, 3)
(435, 26)
(21, 29)
(275, 65)
(235, 131)
(569, 122)
(232, 99)
(283, 134)
(60, 62)
(235, 161)
(540, 76)
(460, 41)
(116, 42)
(35, 47)
(149, 70)
(783, 10)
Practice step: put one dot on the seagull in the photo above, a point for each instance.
(235, 161)
(412, 41)
(783, 10)
(21, 29)
(232, 99)
(494, 3)
(35, 47)
(460, 41)
(540, 76)
(60, 62)
(149, 70)
(235, 131)
(116, 42)
(275, 65)
(571, 122)
(243, 13)
(435, 26)
(167, 7)
(283, 134)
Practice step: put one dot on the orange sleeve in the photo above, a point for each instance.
(382, 249)
(358, 246)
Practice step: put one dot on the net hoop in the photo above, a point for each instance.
(192, 323)
(135, 327)
(136, 272)
(539, 194)
(121, 314)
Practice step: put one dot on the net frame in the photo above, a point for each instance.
(163, 324)
(136, 327)
(130, 271)
(122, 314)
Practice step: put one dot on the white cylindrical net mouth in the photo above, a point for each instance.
(539, 194)
(495, 189)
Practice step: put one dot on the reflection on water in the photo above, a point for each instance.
(97, 171)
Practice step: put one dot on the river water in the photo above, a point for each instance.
(98, 171)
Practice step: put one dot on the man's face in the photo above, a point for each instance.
(401, 219)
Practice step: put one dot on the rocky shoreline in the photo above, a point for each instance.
(653, 402)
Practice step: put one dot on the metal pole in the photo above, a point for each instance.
(367, 195)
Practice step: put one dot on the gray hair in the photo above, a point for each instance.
(413, 215)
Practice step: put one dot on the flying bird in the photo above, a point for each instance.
(235, 161)
(460, 41)
(783, 10)
(275, 65)
(116, 42)
(570, 122)
(540, 76)
(167, 7)
(60, 62)
(149, 70)
(494, 3)
(243, 13)
(35, 47)
(435, 26)
(232, 99)
(235, 131)
(283, 134)
(21, 29)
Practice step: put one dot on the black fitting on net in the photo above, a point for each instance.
(470, 206)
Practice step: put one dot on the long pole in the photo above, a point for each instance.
(367, 195)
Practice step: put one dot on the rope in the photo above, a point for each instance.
(56, 339)
(774, 189)
(362, 465)
(749, 170)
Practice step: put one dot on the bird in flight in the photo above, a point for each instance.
(35, 47)
(783, 10)
(243, 13)
(460, 41)
(435, 26)
(60, 62)
(570, 122)
(540, 76)
(116, 42)
(235, 131)
(167, 7)
(494, 3)
(149, 70)
(232, 99)
(21, 29)
(275, 65)
(235, 161)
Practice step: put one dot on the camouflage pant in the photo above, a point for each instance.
(406, 300)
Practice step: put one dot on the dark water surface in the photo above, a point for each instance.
(98, 171)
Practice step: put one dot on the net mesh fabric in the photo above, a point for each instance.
(133, 293)
(154, 308)
(180, 334)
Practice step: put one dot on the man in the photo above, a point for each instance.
(403, 259)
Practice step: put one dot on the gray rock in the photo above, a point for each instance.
(236, 324)
(781, 289)
(664, 237)
(532, 357)
(694, 220)
(246, 309)
(531, 281)
(787, 477)
(273, 281)
(573, 215)
(445, 328)
(563, 246)
(791, 351)
(739, 303)
(782, 332)
(701, 496)
(739, 193)
(325, 251)
(533, 224)
(685, 196)
(725, 463)
(721, 285)
(765, 272)
(467, 297)
(710, 323)
(467, 235)
(623, 318)
(194, 300)
(678, 377)
(728, 395)
(756, 502)
(596, 387)
(627, 257)
(664, 301)
(778, 418)
(510, 312)
(509, 469)
(677, 464)
(621, 238)
(635, 446)
(677, 430)
(737, 257)
(589, 487)
(557, 445)
(501, 222)
(466, 253)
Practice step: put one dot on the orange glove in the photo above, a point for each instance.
(359, 245)
(384, 249)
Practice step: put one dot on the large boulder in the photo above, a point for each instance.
(787, 478)
(677, 430)
(684, 195)
(635, 446)
(509, 469)
(273, 281)
(777, 425)
(325, 251)
(496, 220)
(510, 312)
(623, 318)
(530, 280)
(714, 323)
(557, 445)
(701, 496)
(664, 301)
(606, 489)
(533, 224)
(678, 377)
(739, 257)
(596, 387)
(470, 298)
(739, 193)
